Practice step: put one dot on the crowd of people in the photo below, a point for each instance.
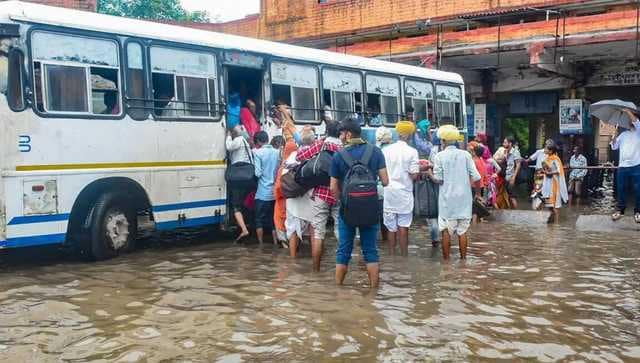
(297, 183)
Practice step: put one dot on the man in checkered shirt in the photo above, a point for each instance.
(323, 202)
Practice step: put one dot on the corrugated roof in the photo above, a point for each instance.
(496, 12)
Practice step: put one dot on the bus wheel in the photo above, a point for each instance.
(113, 226)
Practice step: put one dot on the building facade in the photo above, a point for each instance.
(527, 64)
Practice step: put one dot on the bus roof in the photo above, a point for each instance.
(41, 14)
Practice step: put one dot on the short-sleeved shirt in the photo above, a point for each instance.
(578, 162)
(267, 161)
(513, 158)
(539, 156)
(339, 167)
(402, 161)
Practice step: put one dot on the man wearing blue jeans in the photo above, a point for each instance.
(350, 133)
(628, 142)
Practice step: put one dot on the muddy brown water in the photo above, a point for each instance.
(526, 293)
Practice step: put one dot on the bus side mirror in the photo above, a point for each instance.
(16, 81)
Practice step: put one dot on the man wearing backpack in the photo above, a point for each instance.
(454, 170)
(323, 203)
(354, 174)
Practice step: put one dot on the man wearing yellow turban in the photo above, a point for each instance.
(403, 168)
(453, 170)
(405, 128)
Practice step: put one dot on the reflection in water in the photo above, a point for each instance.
(543, 293)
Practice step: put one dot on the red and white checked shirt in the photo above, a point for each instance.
(323, 192)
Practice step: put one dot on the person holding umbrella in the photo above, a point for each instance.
(628, 143)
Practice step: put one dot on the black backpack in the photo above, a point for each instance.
(359, 200)
(315, 171)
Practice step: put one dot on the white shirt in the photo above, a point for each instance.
(629, 145)
(401, 160)
(454, 168)
(578, 162)
(539, 156)
(238, 149)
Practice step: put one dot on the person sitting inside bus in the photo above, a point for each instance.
(376, 118)
(111, 103)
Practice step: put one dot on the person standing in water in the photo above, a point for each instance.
(454, 170)
(628, 142)
(554, 186)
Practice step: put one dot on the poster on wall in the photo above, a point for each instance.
(571, 116)
(480, 118)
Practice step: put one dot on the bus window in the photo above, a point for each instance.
(449, 103)
(419, 95)
(383, 100)
(15, 74)
(136, 92)
(342, 92)
(184, 83)
(296, 85)
(75, 74)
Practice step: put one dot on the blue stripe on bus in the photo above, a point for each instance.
(50, 239)
(189, 205)
(31, 241)
(39, 219)
(160, 208)
(189, 222)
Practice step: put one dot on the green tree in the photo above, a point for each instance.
(152, 10)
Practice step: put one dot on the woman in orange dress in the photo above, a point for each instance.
(554, 186)
(280, 209)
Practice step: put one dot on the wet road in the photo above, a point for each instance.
(526, 293)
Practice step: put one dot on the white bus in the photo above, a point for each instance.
(111, 126)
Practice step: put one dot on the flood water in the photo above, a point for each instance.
(533, 293)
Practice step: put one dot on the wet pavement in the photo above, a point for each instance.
(533, 293)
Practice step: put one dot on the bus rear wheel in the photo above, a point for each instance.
(113, 226)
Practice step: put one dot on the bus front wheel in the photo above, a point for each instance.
(113, 226)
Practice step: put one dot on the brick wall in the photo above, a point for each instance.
(292, 20)
(87, 5)
(247, 27)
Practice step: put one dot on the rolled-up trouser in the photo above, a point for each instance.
(321, 212)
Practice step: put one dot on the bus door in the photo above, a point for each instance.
(244, 74)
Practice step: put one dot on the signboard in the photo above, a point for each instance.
(243, 60)
(480, 119)
(615, 74)
(571, 116)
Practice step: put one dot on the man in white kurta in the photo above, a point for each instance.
(455, 171)
(403, 168)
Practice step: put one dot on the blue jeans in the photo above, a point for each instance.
(624, 176)
(368, 242)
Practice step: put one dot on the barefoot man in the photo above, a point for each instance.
(455, 171)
